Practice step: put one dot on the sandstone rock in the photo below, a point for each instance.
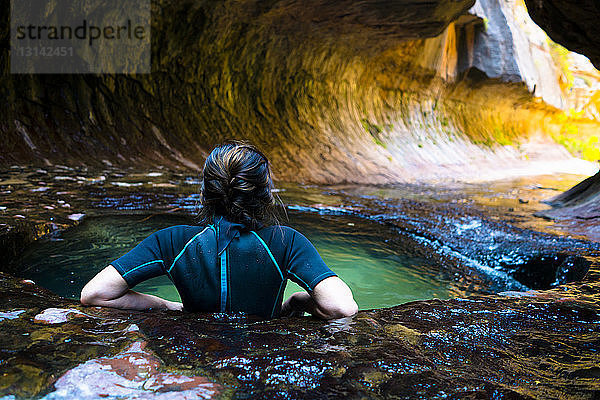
(334, 92)
(512, 48)
(476, 347)
(132, 373)
(470, 347)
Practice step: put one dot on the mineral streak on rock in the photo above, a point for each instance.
(57, 315)
(10, 314)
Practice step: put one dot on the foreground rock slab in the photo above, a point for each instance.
(518, 346)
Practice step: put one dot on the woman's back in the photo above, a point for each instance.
(223, 267)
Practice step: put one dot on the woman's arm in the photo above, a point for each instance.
(330, 299)
(109, 289)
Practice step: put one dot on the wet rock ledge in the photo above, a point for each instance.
(531, 346)
(518, 345)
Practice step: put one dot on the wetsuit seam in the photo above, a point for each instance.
(270, 254)
(142, 265)
(185, 247)
(289, 251)
(300, 279)
(277, 298)
(118, 267)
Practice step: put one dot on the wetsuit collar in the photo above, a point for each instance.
(226, 231)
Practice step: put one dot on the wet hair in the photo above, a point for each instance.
(237, 184)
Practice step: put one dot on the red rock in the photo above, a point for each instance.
(132, 373)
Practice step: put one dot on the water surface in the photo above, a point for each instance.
(379, 274)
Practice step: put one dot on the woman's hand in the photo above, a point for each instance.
(292, 307)
(174, 305)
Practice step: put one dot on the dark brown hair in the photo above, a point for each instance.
(237, 184)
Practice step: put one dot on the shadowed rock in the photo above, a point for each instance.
(582, 199)
(574, 24)
(581, 202)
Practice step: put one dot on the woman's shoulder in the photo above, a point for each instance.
(281, 229)
(177, 233)
(282, 234)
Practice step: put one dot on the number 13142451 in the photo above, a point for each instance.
(44, 51)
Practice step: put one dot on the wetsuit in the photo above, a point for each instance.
(222, 267)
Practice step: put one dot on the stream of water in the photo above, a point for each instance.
(391, 244)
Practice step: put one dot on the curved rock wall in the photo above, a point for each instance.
(333, 92)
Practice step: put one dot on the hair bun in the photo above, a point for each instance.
(237, 184)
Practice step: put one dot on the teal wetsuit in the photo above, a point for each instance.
(222, 267)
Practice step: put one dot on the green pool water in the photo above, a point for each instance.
(378, 274)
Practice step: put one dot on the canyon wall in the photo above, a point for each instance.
(370, 92)
(575, 24)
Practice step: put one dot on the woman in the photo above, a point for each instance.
(238, 259)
